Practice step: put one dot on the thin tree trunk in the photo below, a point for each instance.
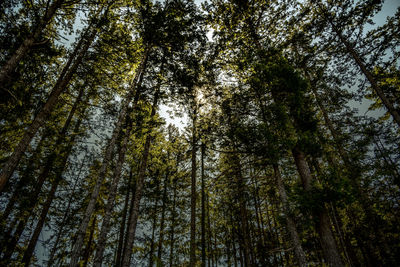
(193, 193)
(172, 230)
(203, 210)
(58, 177)
(153, 231)
(133, 218)
(9, 67)
(353, 53)
(163, 208)
(64, 219)
(123, 221)
(87, 252)
(60, 86)
(26, 211)
(105, 227)
(323, 227)
(294, 236)
(107, 156)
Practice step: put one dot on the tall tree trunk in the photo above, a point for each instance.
(26, 177)
(294, 236)
(163, 209)
(64, 219)
(11, 64)
(193, 193)
(27, 210)
(133, 218)
(123, 221)
(203, 210)
(107, 156)
(153, 231)
(172, 230)
(60, 86)
(353, 53)
(105, 227)
(87, 251)
(323, 226)
(58, 177)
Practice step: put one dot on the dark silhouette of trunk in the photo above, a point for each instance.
(203, 210)
(107, 156)
(356, 56)
(24, 181)
(153, 231)
(193, 192)
(323, 226)
(26, 211)
(88, 250)
(105, 227)
(9, 67)
(62, 83)
(43, 215)
(172, 230)
(64, 219)
(123, 221)
(132, 204)
(133, 218)
(162, 221)
(291, 226)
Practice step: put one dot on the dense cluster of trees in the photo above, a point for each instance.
(274, 167)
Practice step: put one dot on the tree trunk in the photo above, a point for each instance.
(323, 227)
(64, 219)
(203, 210)
(133, 218)
(153, 231)
(26, 211)
(353, 53)
(163, 208)
(107, 156)
(87, 251)
(294, 236)
(123, 221)
(172, 230)
(60, 86)
(105, 227)
(58, 177)
(193, 193)
(11, 64)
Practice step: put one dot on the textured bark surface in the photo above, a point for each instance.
(331, 253)
(105, 227)
(133, 218)
(294, 236)
(193, 196)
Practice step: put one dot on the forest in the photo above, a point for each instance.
(199, 133)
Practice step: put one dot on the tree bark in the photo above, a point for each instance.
(107, 156)
(323, 226)
(294, 236)
(163, 208)
(43, 215)
(133, 218)
(105, 227)
(64, 219)
(193, 194)
(123, 221)
(203, 210)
